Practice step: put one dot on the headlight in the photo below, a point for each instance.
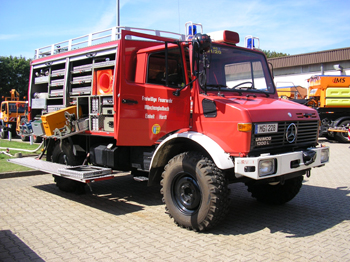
(267, 167)
(324, 155)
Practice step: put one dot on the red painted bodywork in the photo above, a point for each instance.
(236, 109)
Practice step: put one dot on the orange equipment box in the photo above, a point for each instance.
(56, 119)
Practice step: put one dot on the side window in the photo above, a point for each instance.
(156, 73)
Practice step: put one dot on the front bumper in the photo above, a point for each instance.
(283, 163)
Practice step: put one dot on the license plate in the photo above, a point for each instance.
(266, 128)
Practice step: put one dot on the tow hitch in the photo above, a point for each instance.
(309, 157)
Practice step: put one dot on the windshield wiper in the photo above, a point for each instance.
(218, 86)
(240, 91)
(258, 91)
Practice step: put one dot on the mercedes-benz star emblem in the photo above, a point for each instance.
(291, 133)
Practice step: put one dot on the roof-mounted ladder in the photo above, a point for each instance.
(99, 37)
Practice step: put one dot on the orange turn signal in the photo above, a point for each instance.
(244, 127)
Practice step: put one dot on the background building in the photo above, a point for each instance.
(296, 69)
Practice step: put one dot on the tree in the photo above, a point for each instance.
(272, 54)
(14, 74)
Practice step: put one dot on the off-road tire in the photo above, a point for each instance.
(195, 191)
(340, 136)
(276, 194)
(66, 156)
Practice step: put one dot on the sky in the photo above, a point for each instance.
(287, 26)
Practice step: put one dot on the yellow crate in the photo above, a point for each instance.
(56, 119)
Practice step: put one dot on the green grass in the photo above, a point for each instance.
(9, 167)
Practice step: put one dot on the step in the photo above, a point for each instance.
(85, 174)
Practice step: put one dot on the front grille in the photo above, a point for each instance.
(306, 136)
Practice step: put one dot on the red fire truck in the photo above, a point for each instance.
(193, 113)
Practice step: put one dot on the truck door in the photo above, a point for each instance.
(4, 111)
(148, 108)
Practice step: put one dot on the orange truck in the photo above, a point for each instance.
(11, 109)
(330, 96)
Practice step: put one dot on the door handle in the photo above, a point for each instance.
(129, 101)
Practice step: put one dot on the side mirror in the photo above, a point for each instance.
(201, 43)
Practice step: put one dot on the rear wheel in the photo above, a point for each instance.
(195, 191)
(64, 155)
(343, 137)
(276, 194)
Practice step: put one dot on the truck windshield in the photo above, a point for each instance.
(235, 69)
(21, 107)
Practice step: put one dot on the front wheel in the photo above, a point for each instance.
(276, 194)
(3, 133)
(195, 191)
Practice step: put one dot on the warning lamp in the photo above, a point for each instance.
(103, 84)
(252, 42)
(226, 36)
(190, 30)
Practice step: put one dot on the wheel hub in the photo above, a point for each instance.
(187, 194)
